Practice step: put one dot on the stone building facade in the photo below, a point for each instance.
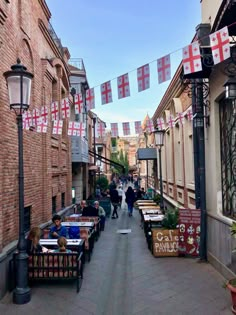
(26, 33)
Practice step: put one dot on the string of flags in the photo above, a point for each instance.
(38, 119)
(191, 60)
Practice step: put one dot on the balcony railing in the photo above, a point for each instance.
(55, 38)
(78, 63)
(79, 149)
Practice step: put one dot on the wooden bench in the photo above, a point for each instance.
(56, 266)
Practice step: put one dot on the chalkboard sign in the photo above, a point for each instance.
(165, 242)
(189, 231)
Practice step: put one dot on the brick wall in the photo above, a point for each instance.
(47, 159)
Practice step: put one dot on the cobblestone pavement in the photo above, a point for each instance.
(123, 278)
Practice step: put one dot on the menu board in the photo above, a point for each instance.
(165, 242)
(189, 231)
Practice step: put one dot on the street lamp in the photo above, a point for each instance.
(19, 89)
(146, 141)
(159, 139)
(230, 88)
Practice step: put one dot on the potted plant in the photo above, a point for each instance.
(231, 284)
(165, 240)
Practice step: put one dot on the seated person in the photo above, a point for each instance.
(32, 242)
(90, 211)
(57, 230)
(101, 213)
(80, 208)
(62, 242)
(74, 232)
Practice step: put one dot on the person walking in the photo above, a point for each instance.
(130, 199)
(115, 202)
(120, 193)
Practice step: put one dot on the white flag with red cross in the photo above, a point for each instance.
(171, 121)
(55, 110)
(190, 114)
(42, 127)
(100, 129)
(163, 69)
(90, 99)
(73, 128)
(27, 120)
(114, 130)
(143, 76)
(44, 114)
(81, 129)
(79, 104)
(192, 58)
(181, 118)
(149, 125)
(123, 86)
(138, 127)
(57, 127)
(106, 92)
(160, 123)
(65, 108)
(126, 128)
(220, 45)
(36, 117)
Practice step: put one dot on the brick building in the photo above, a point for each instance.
(27, 34)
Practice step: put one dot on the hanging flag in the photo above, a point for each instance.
(65, 108)
(44, 114)
(106, 92)
(42, 127)
(27, 120)
(149, 125)
(220, 45)
(79, 104)
(138, 127)
(123, 86)
(190, 114)
(73, 128)
(55, 111)
(114, 130)
(181, 118)
(90, 99)
(57, 127)
(171, 121)
(163, 69)
(126, 128)
(160, 123)
(35, 117)
(192, 58)
(143, 76)
(100, 129)
(81, 129)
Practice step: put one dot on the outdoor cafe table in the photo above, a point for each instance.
(151, 221)
(149, 207)
(77, 244)
(79, 224)
(75, 215)
(151, 211)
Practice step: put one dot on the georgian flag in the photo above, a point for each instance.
(36, 117)
(163, 69)
(192, 58)
(138, 127)
(44, 114)
(143, 76)
(42, 127)
(123, 86)
(55, 111)
(160, 123)
(220, 45)
(27, 120)
(73, 128)
(126, 128)
(81, 129)
(65, 108)
(57, 127)
(106, 93)
(149, 126)
(114, 130)
(100, 129)
(90, 99)
(79, 104)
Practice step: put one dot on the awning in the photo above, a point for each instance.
(147, 154)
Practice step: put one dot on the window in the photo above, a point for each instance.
(27, 214)
(228, 153)
(54, 204)
(63, 200)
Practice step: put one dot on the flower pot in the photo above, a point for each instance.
(231, 285)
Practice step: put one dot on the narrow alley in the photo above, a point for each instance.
(123, 278)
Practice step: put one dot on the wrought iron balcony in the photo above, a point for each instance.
(55, 38)
(79, 150)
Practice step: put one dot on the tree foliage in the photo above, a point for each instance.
(121, 158)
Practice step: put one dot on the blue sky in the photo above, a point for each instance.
(116, 37)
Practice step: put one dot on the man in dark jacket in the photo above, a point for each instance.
(114, 196)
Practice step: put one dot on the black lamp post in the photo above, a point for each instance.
(159, 139)
(19, 89)
(146, 141)
(230, 88)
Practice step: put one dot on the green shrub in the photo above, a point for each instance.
(171, 218)
(102, 182)
(157, 199)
